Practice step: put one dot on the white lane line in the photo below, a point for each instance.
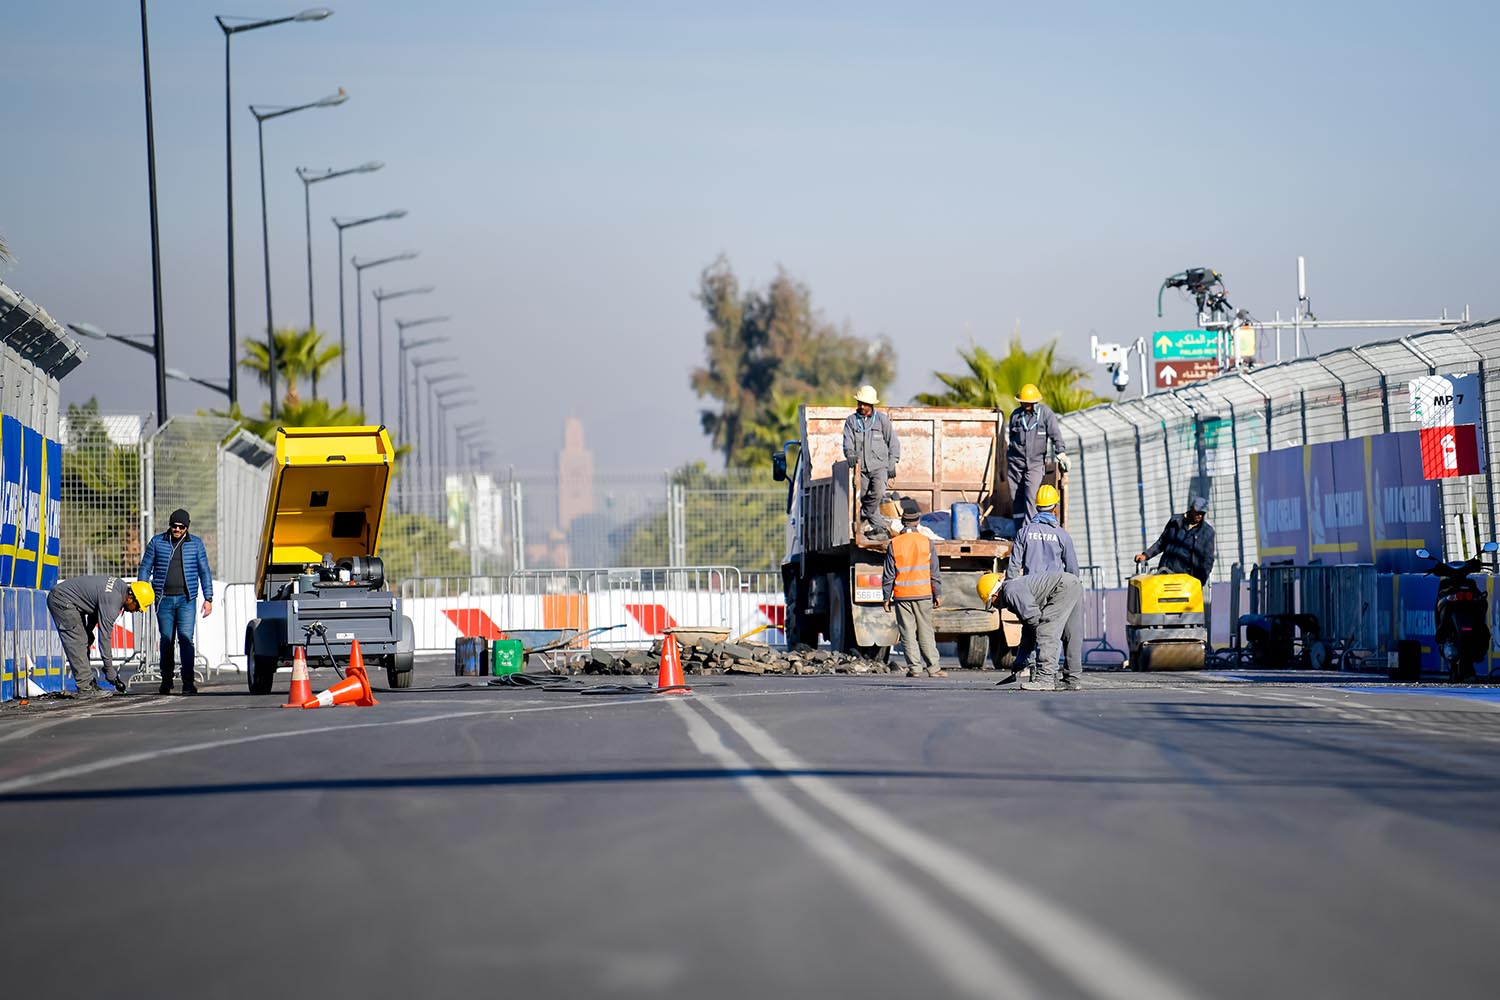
(1080, 951)
(969, 963)
(105, 764)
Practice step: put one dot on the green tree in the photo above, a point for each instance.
(994, 380)
(300, 354)
(414, 545)
(767, 350)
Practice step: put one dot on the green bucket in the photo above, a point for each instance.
(508, 656)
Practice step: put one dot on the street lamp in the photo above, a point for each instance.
(433, 464)
(341, 225)
(309, 178)
(417, 364)
(263, 115)
(359, 307)
(230, 30)
(402, 346)
(456, 398)
(177, 373)
(380, 296)
(139, 341)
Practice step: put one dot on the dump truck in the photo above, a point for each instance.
(831, 572)
(320, 582)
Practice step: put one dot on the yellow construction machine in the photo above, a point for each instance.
(1165, 626)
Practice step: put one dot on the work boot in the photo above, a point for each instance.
(1039, 682)
(93, 691)
(1069, 683)
(165, 687)
(116, 683)
(188, 687)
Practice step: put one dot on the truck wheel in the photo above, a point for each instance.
(840, 616)
(1001, 652)
(972, 650)
(794, 622)
(399, 678)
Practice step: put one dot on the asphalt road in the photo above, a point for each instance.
(1202, 835)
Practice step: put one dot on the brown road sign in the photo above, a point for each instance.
(1180, 371)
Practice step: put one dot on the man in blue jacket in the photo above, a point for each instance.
(176, 563)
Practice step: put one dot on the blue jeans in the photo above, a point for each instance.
(175, 621)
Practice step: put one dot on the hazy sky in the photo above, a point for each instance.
(936, 173)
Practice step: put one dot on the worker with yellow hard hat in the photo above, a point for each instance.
(81, 604)
(872, 449)
(1032, 427)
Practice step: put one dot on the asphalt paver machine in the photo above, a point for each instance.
(320, 582)
(1165, 625)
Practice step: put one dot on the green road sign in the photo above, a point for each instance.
(1187, 344)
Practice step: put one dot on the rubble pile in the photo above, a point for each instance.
(732, 658)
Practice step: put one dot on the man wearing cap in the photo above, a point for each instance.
(1032, 426)
(1186, 544)
(872, 448)
(912, 582)
(79, 605)
(1043, 545)
(176, 563)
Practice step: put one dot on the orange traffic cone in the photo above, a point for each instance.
(669, 678)
(354, 689)
(301, 683)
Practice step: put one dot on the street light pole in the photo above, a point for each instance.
(359, 308)
(161, 357)
(402, 346)
(309, 178)
(342, 225)
(380, 296)
(314, 14)
(263, 115)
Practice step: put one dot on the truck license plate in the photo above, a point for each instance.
(343, 635)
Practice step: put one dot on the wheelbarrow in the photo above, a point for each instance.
(551, 645)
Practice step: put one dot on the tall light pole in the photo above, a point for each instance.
(380, 296)
(341, 225)
(309, 178)
(263, 115)
(230, 30)
(359, 307)
(402, 346)
(459, 396)
(417, 364)
(161, 354)
(430, 463)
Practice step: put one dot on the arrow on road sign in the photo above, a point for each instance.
(1168, 374)
(1163, 342)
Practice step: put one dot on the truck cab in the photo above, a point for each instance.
(320, 582)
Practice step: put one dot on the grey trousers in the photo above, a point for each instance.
(871, 492)
(1024, 480)
(75, 643)
(914, 621)
(1046, 604)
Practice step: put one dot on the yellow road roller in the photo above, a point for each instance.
(1165, 628)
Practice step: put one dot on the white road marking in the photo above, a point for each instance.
(1090, 957)
(969, 963)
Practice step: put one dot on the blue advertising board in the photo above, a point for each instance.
(51, 555)
(1337, 502)
(10, 495)
(24, 571)
(1404, 507)
(1280, 505)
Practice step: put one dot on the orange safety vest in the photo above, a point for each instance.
(913, 552)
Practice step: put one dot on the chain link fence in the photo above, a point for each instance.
(1137, 462)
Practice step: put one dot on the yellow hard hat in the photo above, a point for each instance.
(1047, 496)
(867, 394)
(145, 594)
(989, 586)
(1030, 393)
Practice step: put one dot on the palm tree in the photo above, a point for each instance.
(4, 251)
(994, 380)
(299, 354)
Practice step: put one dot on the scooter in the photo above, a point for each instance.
(1461, 614)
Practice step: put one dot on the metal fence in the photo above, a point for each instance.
(1137, 462)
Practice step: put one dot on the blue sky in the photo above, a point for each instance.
(935, 173)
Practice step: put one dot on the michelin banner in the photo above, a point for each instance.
(30, 506)
(1362, 500)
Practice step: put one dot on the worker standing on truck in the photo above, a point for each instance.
(176, 563)
(1044, 546)
(1032, 426)
(1186, 544)
(81, 604)
(872, 449)
(912, 582)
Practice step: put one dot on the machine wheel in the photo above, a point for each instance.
(1451, 654)
(399, 678)
(840, 614)
(972, 650)
(261, 672)
(1172, 656)
(1317, 655)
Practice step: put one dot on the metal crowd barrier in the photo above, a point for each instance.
(1343, 599)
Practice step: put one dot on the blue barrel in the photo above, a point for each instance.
(470, 656)
(965, 520)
